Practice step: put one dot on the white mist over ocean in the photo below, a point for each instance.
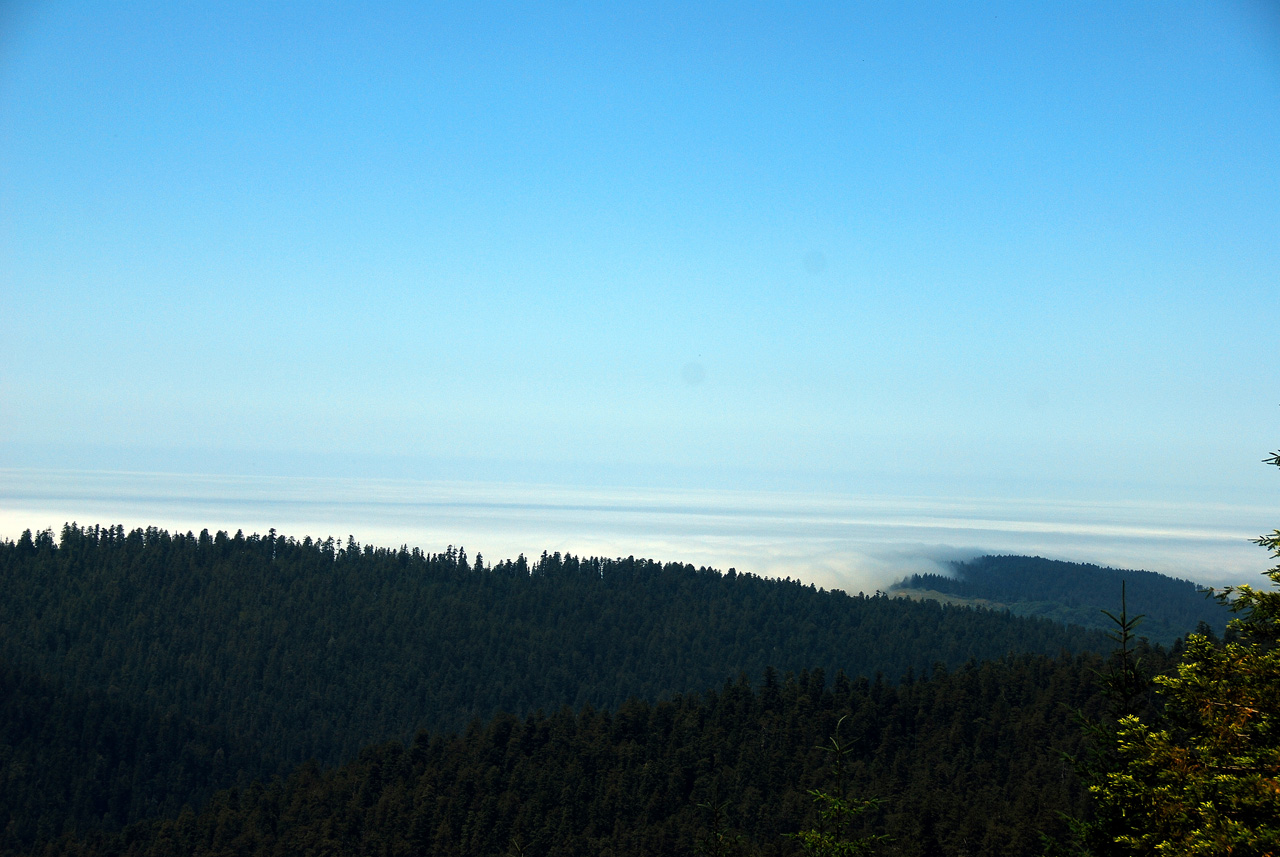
(856, 543)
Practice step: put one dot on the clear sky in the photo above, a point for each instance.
(1020, 250)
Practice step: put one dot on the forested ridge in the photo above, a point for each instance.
(143, 670)
(1078, 593)
(312, 650)
(966, 762)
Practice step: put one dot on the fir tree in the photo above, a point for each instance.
(1206, 780)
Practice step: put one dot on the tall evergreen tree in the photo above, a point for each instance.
(1206, 779)
(838, 812)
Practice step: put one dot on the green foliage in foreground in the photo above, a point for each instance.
(838, 813)
(834, 813)
(967, 763)
(1205, 778)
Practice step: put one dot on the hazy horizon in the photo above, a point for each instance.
(836, 541)
(966, 278)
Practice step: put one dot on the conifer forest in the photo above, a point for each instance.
(169, 693)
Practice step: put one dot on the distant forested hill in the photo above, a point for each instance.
(966, 762)
(311, 650)
(1077, 593)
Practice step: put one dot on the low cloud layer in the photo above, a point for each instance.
(847, 542)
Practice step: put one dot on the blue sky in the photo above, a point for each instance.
(944, 250)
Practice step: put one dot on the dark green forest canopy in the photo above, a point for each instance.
(80, 761)
(967, 762)
(143, 670)
(1078, 593)
(308, 649)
